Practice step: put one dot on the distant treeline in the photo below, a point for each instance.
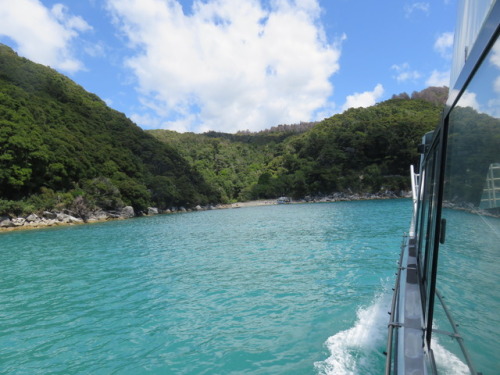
(436, 95)
(62, 148)
(360, 150)
(293, 128)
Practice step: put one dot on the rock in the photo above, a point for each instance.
(74, 220)
(405, 194)
(18, 221)
(5, 222)
(49, 222)
(182, 209)
(114, 214)
(34, 224)
(198, 208)
(32, 217)
(99, 216)
(127, 212)
(152, 211)
(65, 218)
(62, 217)
(49, 215)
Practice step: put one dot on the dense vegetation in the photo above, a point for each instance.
(62, 147)
(59, 142)
(361, 150)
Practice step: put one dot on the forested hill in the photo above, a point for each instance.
(59, 142)
(63, 148)
(360, 150)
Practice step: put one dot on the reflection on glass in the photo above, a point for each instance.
(469, 260)
(471, 15)
(490, 199)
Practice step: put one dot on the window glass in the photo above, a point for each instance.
(425, 221)
(470, 18)
(469, 260)
(432, 190)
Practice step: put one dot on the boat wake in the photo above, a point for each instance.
(359, 350)
(448, 363)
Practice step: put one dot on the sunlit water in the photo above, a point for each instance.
(468, 279)
(289, 289)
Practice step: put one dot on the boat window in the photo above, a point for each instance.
(469, 260)
(424, 219)
(429, 224)
(425, 196)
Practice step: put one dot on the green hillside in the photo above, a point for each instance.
(360, 150)
(59, 142)
(63, 148)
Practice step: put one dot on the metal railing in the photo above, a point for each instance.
(395, 324)
(456, 335)
(392, 320)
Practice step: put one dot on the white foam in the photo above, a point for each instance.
(353, 351)
(447, 362)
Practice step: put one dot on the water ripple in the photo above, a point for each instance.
(255, 290)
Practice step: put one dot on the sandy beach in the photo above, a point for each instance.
(267, 202)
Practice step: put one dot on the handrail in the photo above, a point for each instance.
(455, 334)
(414, 185)
(392, 324)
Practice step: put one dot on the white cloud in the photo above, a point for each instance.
(41, 34)
(94, 49)
(152, 121)
(404, 73)
(325, 112)
(60, 12)
(496, 85)
(468, 99)
(493, 107)
(364, 99)
(229, 65)
(438, 79)
(444, 45)
(147, 120)
(495, 57)
(419, 6)
(494, 103)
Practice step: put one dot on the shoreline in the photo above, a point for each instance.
(52, 220)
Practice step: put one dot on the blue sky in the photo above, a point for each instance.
(230, 65)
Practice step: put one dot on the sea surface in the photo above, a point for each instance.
(287, 289)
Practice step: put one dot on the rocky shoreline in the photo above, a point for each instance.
(52, 219)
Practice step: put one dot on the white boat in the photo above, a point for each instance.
(283, 200)
(453, 244)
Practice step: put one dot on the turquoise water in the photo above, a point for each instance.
(289, 289)
(468, 278)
